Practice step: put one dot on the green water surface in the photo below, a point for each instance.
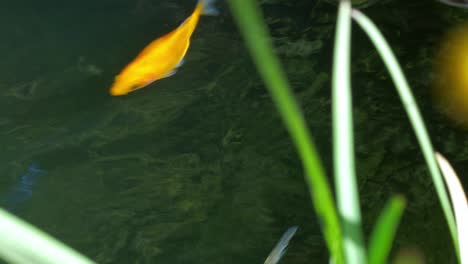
(197, 168)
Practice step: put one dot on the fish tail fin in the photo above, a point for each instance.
(208, 7)
(280, 248)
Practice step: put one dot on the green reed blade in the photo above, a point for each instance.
(460, 205)
(381, 239)
(22, 243)
(249, 18)
(347, 192)
(412, 111)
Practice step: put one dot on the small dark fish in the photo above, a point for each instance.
(456, 3)
(280, 248)
(23, 189)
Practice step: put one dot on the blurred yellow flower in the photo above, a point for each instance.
(450, 88)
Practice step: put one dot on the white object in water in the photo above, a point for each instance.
(280, 248)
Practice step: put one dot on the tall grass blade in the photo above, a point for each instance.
(22, 243)
(460, 205)
(248, 17)
(413, 113)
(347, 192)
(382, 236)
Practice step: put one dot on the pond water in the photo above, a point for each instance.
(197, 168)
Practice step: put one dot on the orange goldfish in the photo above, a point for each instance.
(162, 57)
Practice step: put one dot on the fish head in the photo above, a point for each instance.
(124, 84)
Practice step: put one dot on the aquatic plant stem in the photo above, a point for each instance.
(460, 205)
(23, 243)
(412, 111)
(248, 17)
(347, 192)
(381, 238)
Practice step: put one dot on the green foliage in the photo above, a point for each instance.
(380, 241)
(343, 142)
(249, 19)
(218, 154)
(23, 243)
(413, 113)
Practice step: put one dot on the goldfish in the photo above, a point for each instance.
(161, 58)
(280, 248)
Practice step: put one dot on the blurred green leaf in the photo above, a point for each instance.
(460, 205)
(382, 236)
(249, 19)
(413, 113)
(347, 192)
(23, 243)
